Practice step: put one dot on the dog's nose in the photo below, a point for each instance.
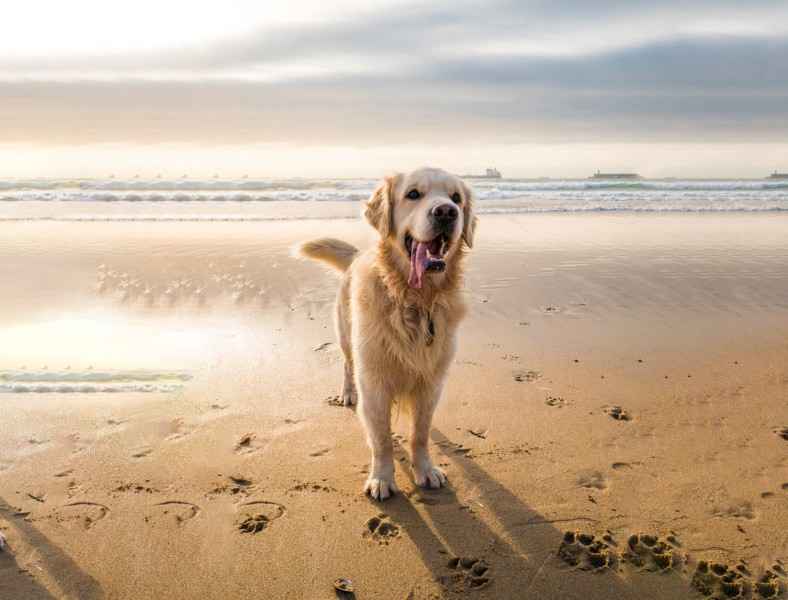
(445, 214)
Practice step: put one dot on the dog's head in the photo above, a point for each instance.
(425, 216)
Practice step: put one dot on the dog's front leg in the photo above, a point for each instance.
(425, 473)
(375, 412)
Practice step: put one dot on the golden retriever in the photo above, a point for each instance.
(398, 309)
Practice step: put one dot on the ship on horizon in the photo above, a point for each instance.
(777, 175)
(491, 173)
(600, 175)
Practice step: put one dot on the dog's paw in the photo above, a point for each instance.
(380, 488)
(430, 477)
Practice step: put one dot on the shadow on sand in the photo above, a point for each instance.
(17, 584)
(518, 557)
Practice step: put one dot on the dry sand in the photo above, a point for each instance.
(618, 375)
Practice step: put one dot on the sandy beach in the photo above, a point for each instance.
(168, 426)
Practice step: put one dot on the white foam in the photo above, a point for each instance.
(92, 376)
(245, 199)
(87, 389)
(90, 382)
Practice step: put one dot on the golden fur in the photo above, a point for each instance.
(398, 341)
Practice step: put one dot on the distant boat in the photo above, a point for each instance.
(488, 174)
(600, 175)
(777, 175)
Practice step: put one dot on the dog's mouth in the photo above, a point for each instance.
(426, 257)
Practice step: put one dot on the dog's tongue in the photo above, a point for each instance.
(418, 264)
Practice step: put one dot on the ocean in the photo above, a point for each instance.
(271, 199)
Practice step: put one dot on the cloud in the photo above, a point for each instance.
(560, 70)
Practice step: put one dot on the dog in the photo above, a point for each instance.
(397, 311)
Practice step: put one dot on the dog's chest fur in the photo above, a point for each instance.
(408, 331)
(419, 323)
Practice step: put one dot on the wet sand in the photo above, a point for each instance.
(618, 375)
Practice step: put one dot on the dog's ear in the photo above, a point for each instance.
(468, 218)
(379, 209)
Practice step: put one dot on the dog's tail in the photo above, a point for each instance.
(333, 252)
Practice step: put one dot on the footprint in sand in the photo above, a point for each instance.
(723, 581)
(468, 573)
(588, 552)
(319, 452)
(256, 516)
(177, 512)
(74, 441)
(310, 486)
(178, 430)
(617, 413)
(555, 401)
(131, 487)
(552, 310)
(80, 515)
(238, 485)
(142, 452)
(651, 553)
(741, 510)
(592, 479)
(248, 443)
(527, 376)
(381, 529)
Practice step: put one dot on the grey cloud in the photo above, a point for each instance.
(679, 88)
(423, 32)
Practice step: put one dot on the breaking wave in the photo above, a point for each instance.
(85, 382)
(254, 199)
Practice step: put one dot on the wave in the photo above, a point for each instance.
(87, 389)
(92, 376)
(106, 203)
(324, 195)
(89, 382)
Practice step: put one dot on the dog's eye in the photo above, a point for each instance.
(456, 198)
(413, 195)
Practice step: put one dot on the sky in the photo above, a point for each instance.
(360, 88)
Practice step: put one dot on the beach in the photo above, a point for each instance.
(169, 425)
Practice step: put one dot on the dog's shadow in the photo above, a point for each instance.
(17, 583)
(444, 530)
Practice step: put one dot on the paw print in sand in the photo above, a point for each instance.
(718, 580)
(618, 413)
(772, 583)
(651, 553)
(256, 516)
(381, 529)
(715, 579)
(587, 552)
(468, 573)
